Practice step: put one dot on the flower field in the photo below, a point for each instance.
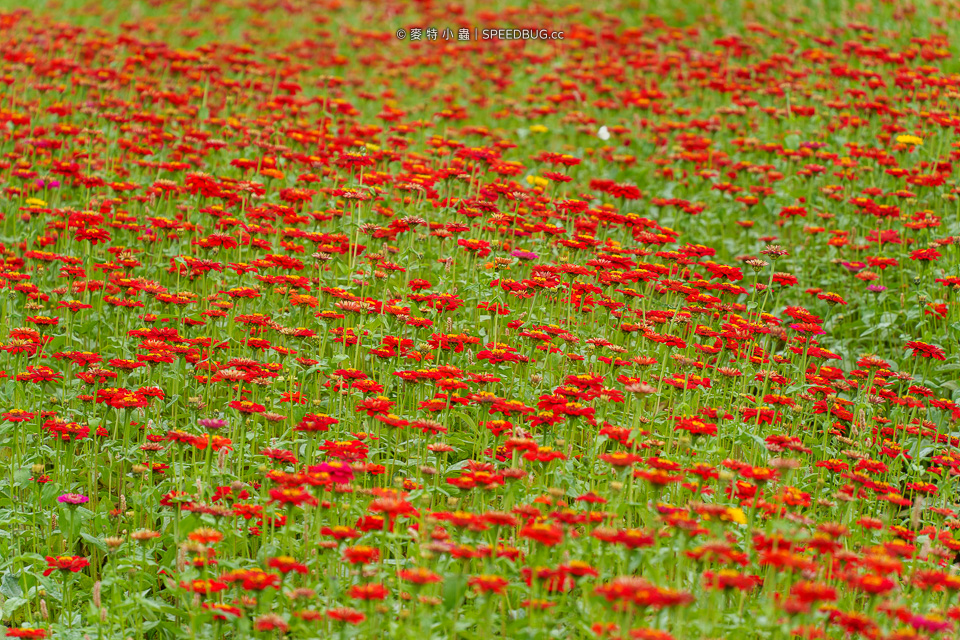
(328, 319)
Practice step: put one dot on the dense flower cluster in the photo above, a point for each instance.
(313, 331)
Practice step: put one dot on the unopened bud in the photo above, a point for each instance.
(113, 542)
(915, 513)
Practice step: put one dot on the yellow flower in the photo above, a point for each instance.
(35, 202)
(909, 140)
(538, 181)
(538, 128)
(735, 515)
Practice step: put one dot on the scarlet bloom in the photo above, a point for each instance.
(280, 455)
(872, 583)
(296, 496)
(806, 591)
(368, 592)
(245, 406)
(832, 298)
(392, 506)
(205, 535)
(65, 563)
(650, 634)
(222, 612)
(340, 533)
(925, 350)
(373, 406)
(488, 584)
(286, 564)
(315, 422)
(26, 632)
(346, 614)
(928, 255)
(657, 477)
(499, 355)
(641, 593)
(204, 587)
(542, 532)
(253, 579)
(635, 538)
(361, 554)
(39, 375)
(729, 579)
(308, 615)
(271, 622)
(420, 575)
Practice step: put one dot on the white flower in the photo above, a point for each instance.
(603, 133)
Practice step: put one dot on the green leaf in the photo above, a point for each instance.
(10, 585)
(469, 422)
(96, 542)
(11, 605)
(454, 589)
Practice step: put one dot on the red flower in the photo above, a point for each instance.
(925, 350)
(204, 587)
(488, 584)
(368, 592)
(420, 575)
(245, 406)
(361, 554)
(280, 455)
(544, 533)
(315, 422)
(296, 496)
(346, 614)
(26, 632)
(286, 564)
(18, 415)
(373, 406)
(872, 583)
(271, 622)
(729, 579)
(253, 579)
(925, 254)
(222, 612)
(65, 563)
